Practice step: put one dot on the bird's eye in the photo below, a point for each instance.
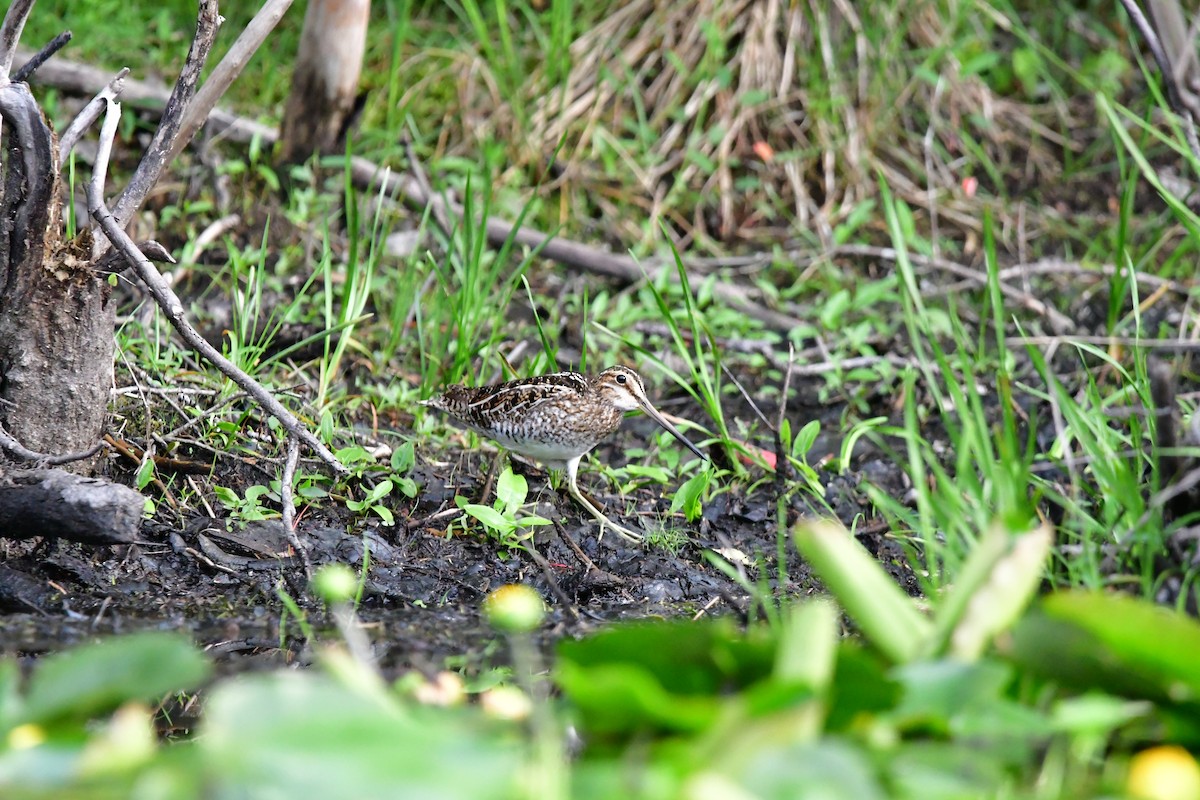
(620, 379)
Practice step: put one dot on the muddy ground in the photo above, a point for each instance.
(425, 587)
(190, 571)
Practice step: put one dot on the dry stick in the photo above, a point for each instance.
(10, 445)
(10, 34)
(111, 262)
(1058, 320)
(89, 114)
(572, 254)
(173, 307)
(289, 504)
(843, 364)
(155, 160)
(783, 468)
(41, 57)
(1058, 266)
(418, 172)
(108, 133)
(552, 582)
(1169, 345)
(1174, 95)
(73, 76)
(227, 71)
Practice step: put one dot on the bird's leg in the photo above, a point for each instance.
(573, 490)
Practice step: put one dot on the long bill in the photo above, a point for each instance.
(653, 414)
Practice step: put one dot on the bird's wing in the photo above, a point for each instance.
(520, 397)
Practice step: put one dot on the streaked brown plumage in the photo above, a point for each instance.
(555, 419)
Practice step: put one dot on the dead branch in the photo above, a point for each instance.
(1182, 102)
(288, 502)
(227, 71)
(10, 33)
(88, 115)
(113, 262)
(42, 56)
(76, 78)
(1164, 345)
(58, 504)
(15, 449)
(152, 163)
(30, 185)
(1058, 321)
(172, 307)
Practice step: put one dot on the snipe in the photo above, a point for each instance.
(556, 419)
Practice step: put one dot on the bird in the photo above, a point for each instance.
(556, 419)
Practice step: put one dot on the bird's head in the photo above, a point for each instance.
(623, 388)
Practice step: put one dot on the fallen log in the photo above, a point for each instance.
(58, 504)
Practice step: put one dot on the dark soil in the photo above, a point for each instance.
(425, 587)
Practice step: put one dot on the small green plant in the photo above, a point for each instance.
(505, 519)
(248, 507)
(372, 502)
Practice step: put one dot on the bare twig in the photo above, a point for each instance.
(1058, 266)
(17, 450)
(173, 307)
(1169, 345)
(108, 133)
(227, 71)
(842, 364)
(783, 468)
(10, 34)
(89, 114)
(77, 78)
(548, 572)
(215, 230)
(1177, 99)
(1057, 320)
(41, 57)
(418, 173)
(113, 262)
(289, 504)
(155, 160)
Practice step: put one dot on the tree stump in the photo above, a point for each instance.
(56, 321)
(325, 81)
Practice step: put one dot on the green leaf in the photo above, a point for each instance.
(1114, 643)
(10, 700)
(660, 675)
(886, 615)
(835, 306)
(303, 735)
(490, 517)
(94, 678)
(688, 496)
(805, 439)
(145, 473)
(995, 585)
(619, 697)
(511, 489)
(1028, 67)
(403, 458)
(829, 770)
